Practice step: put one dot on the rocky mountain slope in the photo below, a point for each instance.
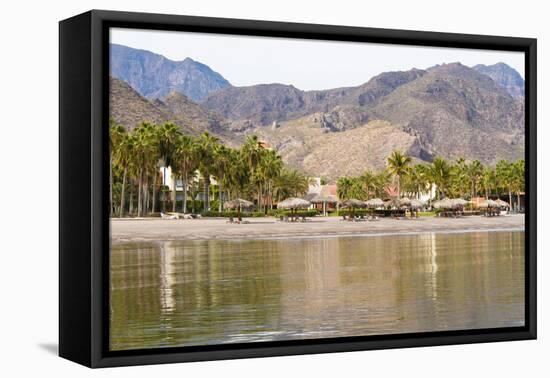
(449, 110)
(505, 76)
(267, 103)
(129, 108)
(154, 76)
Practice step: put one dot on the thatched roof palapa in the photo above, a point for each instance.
(417, 204)
(502, 203)
(238, 203)
(293, 203)
(445, 203)
(488, 203)
(374, 203)
(352, 203)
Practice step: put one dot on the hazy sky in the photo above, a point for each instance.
(306, 64)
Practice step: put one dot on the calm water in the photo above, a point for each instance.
(210, 292)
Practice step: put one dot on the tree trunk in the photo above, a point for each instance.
(518, 206)
(510, 198)
(184, 182)
(140, 189)
(206, 206)
(145, 207)
(174, 196)
(111, 185)
(220, 191)
(398, 187)
(122, 197)
(259, 197)
(131, 205)
(153, 205)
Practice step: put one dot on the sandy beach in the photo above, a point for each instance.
(135, 230)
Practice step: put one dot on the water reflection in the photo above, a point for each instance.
(210, 292)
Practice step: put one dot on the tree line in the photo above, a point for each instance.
(452, 179)
(249, 172)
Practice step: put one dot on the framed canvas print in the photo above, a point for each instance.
(234, 188)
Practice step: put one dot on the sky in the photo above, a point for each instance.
(306, 64)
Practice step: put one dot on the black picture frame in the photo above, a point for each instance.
(83, 181)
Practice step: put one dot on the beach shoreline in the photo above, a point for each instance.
(156, 229)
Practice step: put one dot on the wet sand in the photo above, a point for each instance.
(136, 230)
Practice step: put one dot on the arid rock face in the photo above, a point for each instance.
(154, 76)
(505, 76)
(449, 110)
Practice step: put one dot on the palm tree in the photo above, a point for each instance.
(475, 175)
(186, 162)
(505, 174)
(440, 173)
(290, 183)
(221, 166)
(416, 180)
(146, 156)
(207, 144)
(398, 164)
(270, 167)
(489, 181)
(123, 157)
(252, 152)
(168, 134)
(345, 188)
(116, 134)
(518, 180)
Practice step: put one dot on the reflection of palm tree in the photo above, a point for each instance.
(398, 165)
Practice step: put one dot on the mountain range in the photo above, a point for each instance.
(449, 110)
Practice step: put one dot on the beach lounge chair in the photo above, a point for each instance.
(167, 216)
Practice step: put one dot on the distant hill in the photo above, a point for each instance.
(505, 76)
(154, 76)
(448, 110)
(129, 108)
(264, 104)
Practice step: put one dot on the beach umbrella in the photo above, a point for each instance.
(459, 202)
(293, 203)
(443, 204)
(400, 202)
(238, 204)
(502, 203)
(374, 203)
(488, 203)
(324, 200)
(404, 202)
(417, 204)
(353, 203)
